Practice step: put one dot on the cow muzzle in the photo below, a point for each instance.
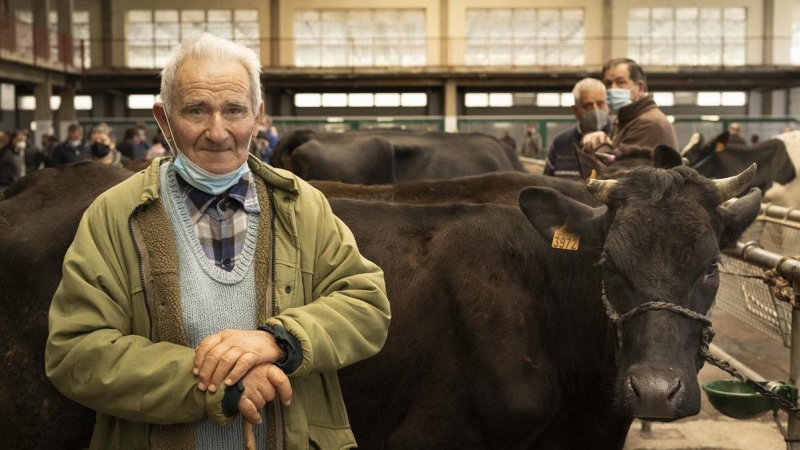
(659, 394)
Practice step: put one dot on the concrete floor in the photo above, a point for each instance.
(710, 430)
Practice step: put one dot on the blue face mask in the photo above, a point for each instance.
(617, 98)
(202, 179)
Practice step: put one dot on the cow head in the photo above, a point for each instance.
(697, 151)
(656, 239)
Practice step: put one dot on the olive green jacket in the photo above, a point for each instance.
(117, 342)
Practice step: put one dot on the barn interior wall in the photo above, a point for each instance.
(785, 13)
(794, 102)
(754, 27)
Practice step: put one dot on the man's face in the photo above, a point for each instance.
(734, 130)
(619, 77)
(75, 135)
(589, 101)
(211, 117)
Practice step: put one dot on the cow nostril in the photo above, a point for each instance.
(632, 382)
(676, 388)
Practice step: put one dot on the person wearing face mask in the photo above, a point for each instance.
(210, 289)
(12, 159)
(638, 121)
(591, 111)
(73, 149)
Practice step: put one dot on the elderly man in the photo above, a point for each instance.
(211, 288)
(591, 111)
(638, 122)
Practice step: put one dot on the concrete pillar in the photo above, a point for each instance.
(274, 33)
(43, 116)
(768, 32)
(754, 103)
(779, 102)
(444, 33)
(65, 8)
(608, 30)
(66, 112)
(450, 106)
(40, 10)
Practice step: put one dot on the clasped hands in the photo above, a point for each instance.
(249, 355)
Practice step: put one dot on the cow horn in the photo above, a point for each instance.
(600, 188)
(730, 187)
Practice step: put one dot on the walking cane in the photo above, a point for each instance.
(249, 435)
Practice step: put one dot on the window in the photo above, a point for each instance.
(81, 102)
(81, 36)
(664, 98)
(687, 36)
(360, 37)
(151, 35)
(721, 99)
(141, 101)
(540, 36)
(507, 99)
(361, 100)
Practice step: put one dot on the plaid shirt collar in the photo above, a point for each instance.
(243, 195)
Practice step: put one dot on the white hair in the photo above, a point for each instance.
(586, 85)
(219, 50)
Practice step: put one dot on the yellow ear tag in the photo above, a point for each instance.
(564, 240)
(720, 147)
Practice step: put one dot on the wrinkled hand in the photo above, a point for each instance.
(590, 142)
(261, 385)
(228, 355)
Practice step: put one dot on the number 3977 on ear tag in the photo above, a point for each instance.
(564, 240)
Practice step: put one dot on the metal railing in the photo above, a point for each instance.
(40, 46)
(772, 307)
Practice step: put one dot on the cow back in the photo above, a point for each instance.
(38, 218)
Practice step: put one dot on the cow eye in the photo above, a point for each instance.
(712, 269)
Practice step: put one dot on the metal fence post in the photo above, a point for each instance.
(794, 364)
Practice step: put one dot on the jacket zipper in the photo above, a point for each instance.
(274, 280)
(140, 259)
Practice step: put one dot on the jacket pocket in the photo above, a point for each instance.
(287, 281)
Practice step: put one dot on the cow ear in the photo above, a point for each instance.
(549, 210)
(738, 216)
(666, 157)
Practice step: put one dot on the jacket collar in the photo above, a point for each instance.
(635, 109)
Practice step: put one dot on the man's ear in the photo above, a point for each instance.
(738, 216)
(259, 115)
(548, 210)
(160, 114)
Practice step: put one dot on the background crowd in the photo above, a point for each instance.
(20, 155)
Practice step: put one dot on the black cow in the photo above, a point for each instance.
(499, 341)
(389, 156)
(718, 158)
(495, 187)
(38, 218)
(616, 164)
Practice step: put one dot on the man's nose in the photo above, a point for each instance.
(216, 130)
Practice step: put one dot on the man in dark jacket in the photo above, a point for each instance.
(73, 149)
(591, 111)
(639, 122)
(12, 159)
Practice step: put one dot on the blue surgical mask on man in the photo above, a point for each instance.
(617, 98)
(200, 178)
